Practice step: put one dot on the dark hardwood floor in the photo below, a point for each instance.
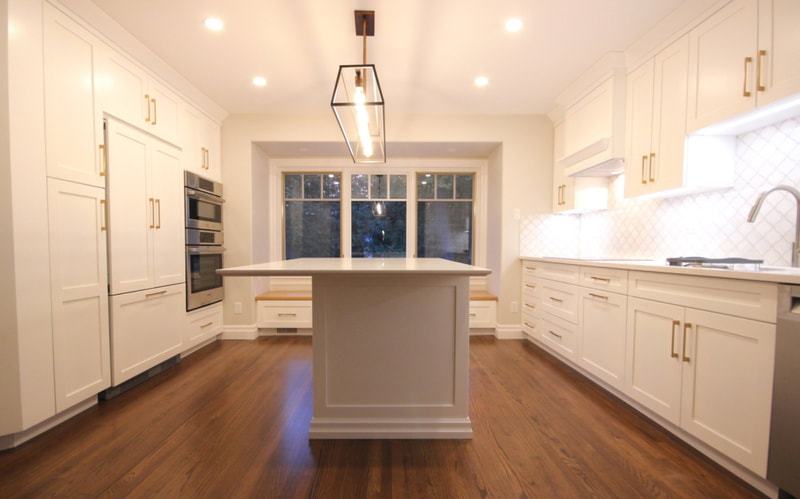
(232, 421)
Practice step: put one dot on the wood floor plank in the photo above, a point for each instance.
(232, 421)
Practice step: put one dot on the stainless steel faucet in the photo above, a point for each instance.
(756, 207)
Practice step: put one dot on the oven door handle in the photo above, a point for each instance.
(205, 249)
(204, 197)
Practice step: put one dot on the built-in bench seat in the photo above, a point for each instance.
(279, 309)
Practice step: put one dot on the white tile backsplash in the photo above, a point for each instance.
(711, 224)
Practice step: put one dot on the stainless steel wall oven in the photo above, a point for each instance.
(204, 241)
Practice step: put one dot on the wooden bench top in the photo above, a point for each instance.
(475, 294)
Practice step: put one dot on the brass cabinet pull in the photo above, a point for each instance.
(528, 305)
(530, 268)
(473, 315)
(560, 195)
(554, 334)
(208, 159)
(103, 214)
(602, 279)
(530, 286)
(152, 214)
(148, 295)
(685, 327)
(559, 300)
(759, 82)
(652, 166)
(598, 296)
(530, 325)
(745, 92)
(155, 110)
(672, 353)
(207, 324)
(103, 159)
(147, 103)
(158, 209)
(644, 177)
(287, 315)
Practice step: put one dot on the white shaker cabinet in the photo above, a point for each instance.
(656, 123)
(130, 93)
(601, 345)
(147, 329)
(146, 222)
(745, 56)
(73, 120)
(79, 291)
(201, 144)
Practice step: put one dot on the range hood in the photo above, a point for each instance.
(594, 160)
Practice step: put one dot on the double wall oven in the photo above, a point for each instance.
(204, 241)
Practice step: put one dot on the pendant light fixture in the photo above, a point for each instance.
(358, 102)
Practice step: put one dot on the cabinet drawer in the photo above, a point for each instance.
(614, 280)
(748, 299)
(531, 306)
(483, 313)
(202, 324)
(559, 335)
(531, 289)
(560, 299)
(555, 271)
(530, 324)
(280, 313)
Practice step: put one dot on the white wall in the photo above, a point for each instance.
(519, 174)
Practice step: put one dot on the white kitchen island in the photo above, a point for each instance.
(390, 344)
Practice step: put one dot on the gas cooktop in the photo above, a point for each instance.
(699, 261)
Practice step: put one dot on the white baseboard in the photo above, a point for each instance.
(246, 332)
(509, 332)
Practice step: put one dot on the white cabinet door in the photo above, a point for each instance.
(131, 209)
(73, 123)
(147, 330)
(779, 49)
(164, 111)
(639, 129)
(202, 324)
(124, 86)
(166, 187)
(201, 144)
(653, 364)
(722, 65)
(563, 186)
(727, 384)
(601, 345)
(79, 291)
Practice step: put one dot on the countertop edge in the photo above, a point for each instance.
(779, 277)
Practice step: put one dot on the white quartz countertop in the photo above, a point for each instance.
(766, 273)
(351, 266)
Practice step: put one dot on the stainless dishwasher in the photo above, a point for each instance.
(783, 467)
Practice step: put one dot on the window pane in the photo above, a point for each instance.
(425, 186)
(444, 187)
(360, 189)
(397, 186)
(293, 186)
(312, 229)
(463, 186)
(378, 236)
(330, 186)
(444, 230)
(312, 188)
(378, 186)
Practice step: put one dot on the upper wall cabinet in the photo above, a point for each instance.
(745, 56)
(201, 144)
(129, 93)
(73, 120)
(656, 124)
(594, 130)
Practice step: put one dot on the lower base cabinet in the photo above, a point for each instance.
(201, 325)
(601, 348)
(146, 329)
(709, 373)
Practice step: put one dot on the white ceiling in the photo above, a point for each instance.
(427, 52)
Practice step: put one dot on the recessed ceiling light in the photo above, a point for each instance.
(259, 81)
(213, 24)
(513, 25)
(481, 81)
